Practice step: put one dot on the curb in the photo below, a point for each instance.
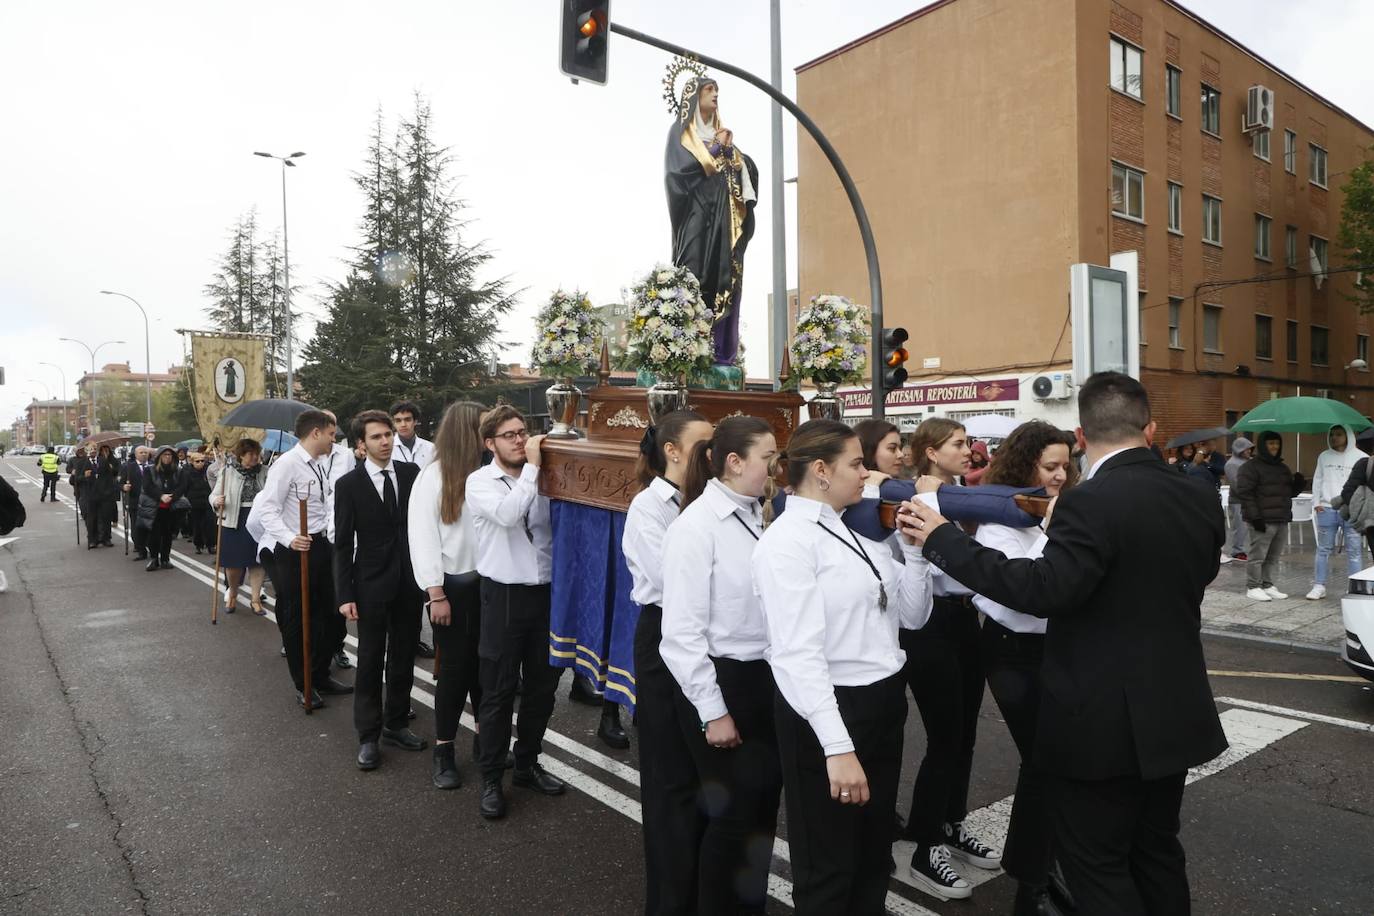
(1314, 648)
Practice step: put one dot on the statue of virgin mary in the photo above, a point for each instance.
(711, 197)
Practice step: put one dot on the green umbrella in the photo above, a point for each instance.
(1301, 415)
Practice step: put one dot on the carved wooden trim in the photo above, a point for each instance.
(627, 417)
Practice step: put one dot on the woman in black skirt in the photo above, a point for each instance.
(234, 491)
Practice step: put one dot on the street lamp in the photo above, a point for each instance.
(63, 397)
(147, 355)
(286, 268)
(94, 420)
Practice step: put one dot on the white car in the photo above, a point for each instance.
(1357, 611)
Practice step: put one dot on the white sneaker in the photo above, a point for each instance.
(1275, 593)
(1225, 558)
(1258, 594)
(1318, 593)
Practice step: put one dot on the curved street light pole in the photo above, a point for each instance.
(62, 396)
(93, 420)
(286, 271)
(147, 355)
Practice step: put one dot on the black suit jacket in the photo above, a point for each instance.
(132, 474)
(381, 570)
(1121, 581)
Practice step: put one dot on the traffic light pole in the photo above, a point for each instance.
(875, 283)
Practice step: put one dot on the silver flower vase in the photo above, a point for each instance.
(825, 405)
(563, 398)
(665, 395)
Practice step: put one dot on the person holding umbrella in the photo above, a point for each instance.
(1334, 467)
(1265, 490)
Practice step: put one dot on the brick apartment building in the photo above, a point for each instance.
(996, 142)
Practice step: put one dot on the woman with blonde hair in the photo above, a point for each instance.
(442, 553)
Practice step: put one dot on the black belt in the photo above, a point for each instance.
(652, 609)
(955, 600)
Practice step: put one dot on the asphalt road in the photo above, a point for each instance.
(153, 763)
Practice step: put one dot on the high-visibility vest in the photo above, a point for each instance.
(49, 462)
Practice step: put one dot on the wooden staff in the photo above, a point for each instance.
(305, 605)
(219, 546)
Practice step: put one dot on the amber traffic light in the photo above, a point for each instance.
(585, 29)
(895, 356)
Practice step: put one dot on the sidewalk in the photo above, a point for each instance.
(1225, 607)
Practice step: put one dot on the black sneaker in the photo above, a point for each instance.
(933, 874)
(971, 849)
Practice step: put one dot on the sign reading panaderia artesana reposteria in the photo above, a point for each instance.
(939, 393)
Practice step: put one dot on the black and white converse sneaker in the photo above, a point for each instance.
(971, 849)
(933, 874)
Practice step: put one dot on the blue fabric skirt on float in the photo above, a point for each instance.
(591, 617)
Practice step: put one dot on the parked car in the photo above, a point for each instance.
(1357, 612)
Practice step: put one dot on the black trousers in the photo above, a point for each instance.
(327, 627)
(514, 646)
(99, 515)
(456, 644)
(674, 823)
(387, 632)
(49, 487)
(137, 534)
(944, 670)
(1117, 843)
(203, 524)
(841, 853)
(741, 789)
(162, 533)
(1012, 662)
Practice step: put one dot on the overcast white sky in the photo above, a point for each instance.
(130, 129)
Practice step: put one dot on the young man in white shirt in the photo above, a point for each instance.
(409, 446)
(515, 561)
(299, 474)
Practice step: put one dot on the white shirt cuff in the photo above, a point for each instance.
(831, 732)
(712, 707)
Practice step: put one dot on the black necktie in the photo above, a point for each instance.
(388, 493)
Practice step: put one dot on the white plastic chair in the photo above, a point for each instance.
(1302, 512)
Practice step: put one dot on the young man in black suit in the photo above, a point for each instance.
(1127, 707)
(376, 587)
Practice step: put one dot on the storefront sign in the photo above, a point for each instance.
(938, 394)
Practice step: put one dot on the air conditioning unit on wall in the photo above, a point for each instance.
(1259, 109)
(1055, 387)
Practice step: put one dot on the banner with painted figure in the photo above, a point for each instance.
(229, 370)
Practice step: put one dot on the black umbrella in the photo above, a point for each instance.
(267, 413)
(1198, 435)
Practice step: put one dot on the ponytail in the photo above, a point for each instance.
(734, 436)
(652, 461)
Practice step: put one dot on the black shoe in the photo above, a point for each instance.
(410, 713)
(1033, 901)
(581, 692)
(199, 551)
(107, 543)
(330, 687)
(140, 555)
(1059, 889)
(443, 771)
(166, 562)
(538, 779)
(369, 756)
(316, 701)
(609, 731)
(341, 660)
(403, 738)
(424, 650)
(92, 546)
(152, 565)
(493, 803)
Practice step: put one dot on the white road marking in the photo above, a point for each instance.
(1299, 714)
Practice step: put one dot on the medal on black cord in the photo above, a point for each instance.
(858, 550)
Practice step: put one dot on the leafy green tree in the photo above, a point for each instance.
(1356, 234)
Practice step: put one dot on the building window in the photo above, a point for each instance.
(1320, 356)
(1292, 341)
(1362, 348)
(1211, 328)
(1211, 220)
(1128, 192)
(1211, 110)
(1261, 144)
(1290, 246)
(1262, 236)
(1126, 68)
(1264, 337)
(1290, 152)
(1173, 91)
(1319, 255)
(1175, 315)
(1316, 166)
(1175, 208)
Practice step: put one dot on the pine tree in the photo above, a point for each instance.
(247, 294)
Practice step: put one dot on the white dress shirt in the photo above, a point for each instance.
(275, 510)
(1097, 465)
(652, 510)
(437, 549)
(821, 603)
(511, 522)
(1028, 543)
(421, 452)
(942, 584)
(374, 473)
(709, 605)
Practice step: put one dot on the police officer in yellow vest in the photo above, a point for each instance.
(51, 465)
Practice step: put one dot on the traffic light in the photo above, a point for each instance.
(894, 358)
(585, 30)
